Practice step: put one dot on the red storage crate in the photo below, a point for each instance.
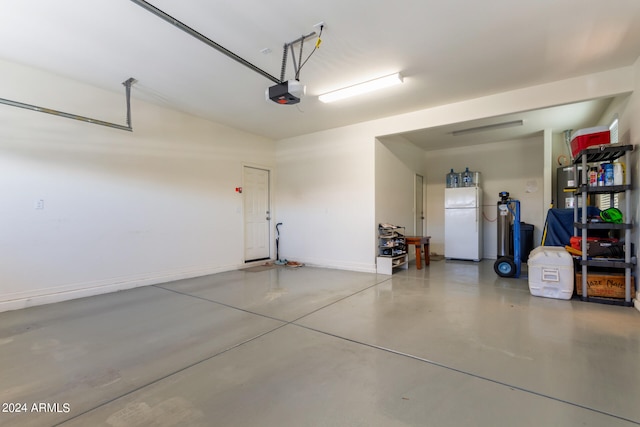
(588, 137)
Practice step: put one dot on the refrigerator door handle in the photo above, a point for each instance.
(477, 209)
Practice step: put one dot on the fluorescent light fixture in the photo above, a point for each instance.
(488, 127)
(361, 88)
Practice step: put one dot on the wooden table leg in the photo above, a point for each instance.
(418, 257)
(427, 259)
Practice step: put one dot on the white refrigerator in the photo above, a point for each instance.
(463, 223)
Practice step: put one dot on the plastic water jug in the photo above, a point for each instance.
(467, 178)
(453, 179)
(618, 173)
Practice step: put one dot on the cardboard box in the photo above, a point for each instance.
(604, 285)
(588, 137)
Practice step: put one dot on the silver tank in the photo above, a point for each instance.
(505, 218)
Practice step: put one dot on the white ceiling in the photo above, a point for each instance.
(448, 51)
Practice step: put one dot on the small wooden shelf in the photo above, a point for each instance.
(392, 249)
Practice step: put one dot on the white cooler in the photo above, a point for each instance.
(551, 272)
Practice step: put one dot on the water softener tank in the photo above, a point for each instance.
(505, 218)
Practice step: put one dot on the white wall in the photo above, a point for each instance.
(394, 187)
(325, 200)
(513, 166)
(120, 209)
(397, 163)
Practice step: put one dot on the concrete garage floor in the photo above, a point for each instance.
(449, 345)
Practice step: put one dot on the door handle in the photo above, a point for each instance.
(477, 219)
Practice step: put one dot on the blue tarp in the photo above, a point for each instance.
(560, 225)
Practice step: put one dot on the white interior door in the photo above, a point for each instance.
(257, 214)
(419, 208)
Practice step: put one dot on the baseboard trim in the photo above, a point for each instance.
(337, 265)
(83, 290)
(88, 289)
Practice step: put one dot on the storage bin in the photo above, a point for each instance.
(551, 272)
(526, 240)
(588, 137)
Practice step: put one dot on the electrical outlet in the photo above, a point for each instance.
(40, 204)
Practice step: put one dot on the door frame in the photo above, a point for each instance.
(418, 210)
